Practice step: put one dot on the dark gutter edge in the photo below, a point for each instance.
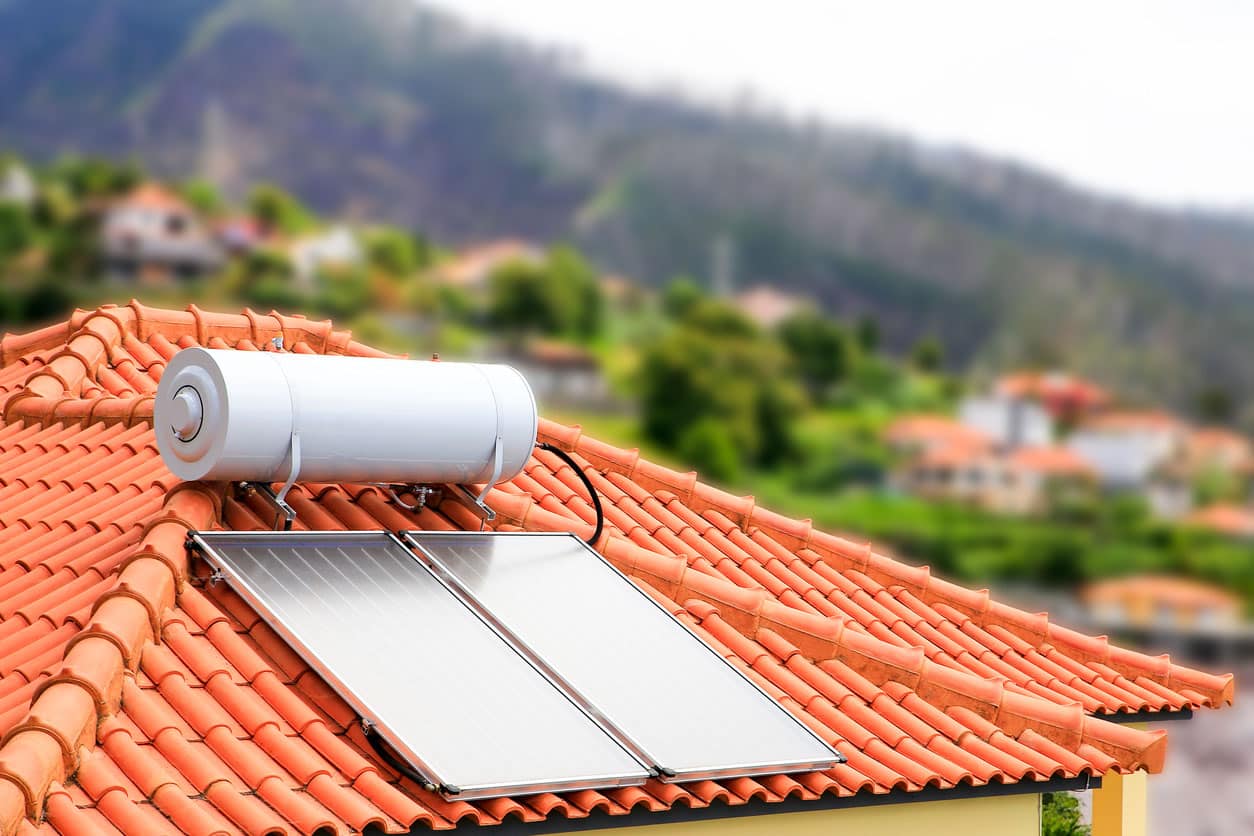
(1147, 716)
(641, 817)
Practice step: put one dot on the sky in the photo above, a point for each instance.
(1142, 98)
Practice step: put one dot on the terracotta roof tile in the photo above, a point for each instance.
(132, 699)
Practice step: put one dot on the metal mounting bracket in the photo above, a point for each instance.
(285, 514)
(475, 503)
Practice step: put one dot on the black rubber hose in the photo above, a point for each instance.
(385, 755)
(587, 483)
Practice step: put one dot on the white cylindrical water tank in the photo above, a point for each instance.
(231, 415)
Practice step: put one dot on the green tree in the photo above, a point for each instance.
(16, 230)
(54, 206)
(680, 296)
(868, 334)
(522, 300)
(343, 292)
(734, 377)
(265, 278)
(278, 210)
(572, 276)
(1060, 815)
(394, 252)
(49, 299)
(559, 296)
(73, 249)
(708, 446)
(1215, 404)
(820, 350)
(11, 307)
(96, 177)
(927, 355)
(203, 196)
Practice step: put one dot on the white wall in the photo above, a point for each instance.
(1123, 458)
(1010, 422)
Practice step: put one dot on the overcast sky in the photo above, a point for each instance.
(1149, 99)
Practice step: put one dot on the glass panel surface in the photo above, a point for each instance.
(446, 691)
(667, 691)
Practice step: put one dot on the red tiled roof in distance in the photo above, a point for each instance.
(132, 697)
(151, 195)
(1051, 460)
(1165, 589)
(1150, 420)
(1059, 391)
(1224, 518)
(927, 430)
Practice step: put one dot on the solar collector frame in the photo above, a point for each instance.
(221, 550)
(641, 734)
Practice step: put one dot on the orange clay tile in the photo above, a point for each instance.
(134, 700)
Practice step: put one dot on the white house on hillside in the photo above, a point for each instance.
(153, 234)
(17, 185)
(1126, 448)
(1009, 420)
(336, 247)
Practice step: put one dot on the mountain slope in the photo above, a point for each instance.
(385, 109)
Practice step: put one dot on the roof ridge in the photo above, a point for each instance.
(44, 748)
(90, 339)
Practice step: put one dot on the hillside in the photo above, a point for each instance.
(384, 109)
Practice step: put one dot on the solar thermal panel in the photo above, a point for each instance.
(671, 697)
(448, 692)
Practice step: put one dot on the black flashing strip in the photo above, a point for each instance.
(1146, 716)
(641, 817)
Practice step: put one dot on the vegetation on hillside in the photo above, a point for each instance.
(399, 112)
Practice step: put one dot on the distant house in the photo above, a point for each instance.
(335, 247)
(1028, 480)
(1051, 474)
(17, 185)
(240, 234)
(769, 307)
(1010, 420)
(1066, 397)
(1217, 447)
(971, 476)
(1162, 603)
(1224, 518)
(152, 234)
(619, 289)
(1126, 448)
(562, 374)
(910, 435)
(1169, 489)
(473, 267)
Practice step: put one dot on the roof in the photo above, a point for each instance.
(1218, 445)
(1224, 518)
(1160, 589)
(1051, 460)
(150, 195)
(953, 456)
(929, 429)
(133, 698)
(1059, 390)
(558, 354)
(769, 306)
(473, 265)
(1150, 420)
